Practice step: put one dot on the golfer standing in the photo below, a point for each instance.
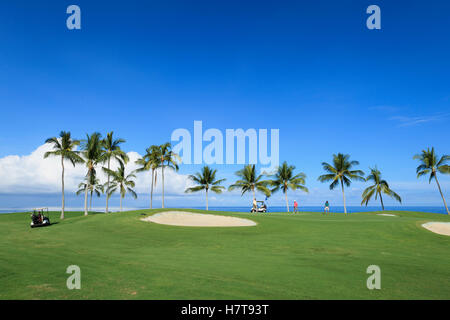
(295, 206)
(327, 207)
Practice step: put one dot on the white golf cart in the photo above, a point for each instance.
(260, 207)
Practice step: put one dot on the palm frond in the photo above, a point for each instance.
(217, 189)
(194, 189)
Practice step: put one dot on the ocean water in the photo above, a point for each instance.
(338, 209)
(350, 209)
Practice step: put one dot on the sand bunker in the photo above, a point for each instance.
(438, 227)
(188, 219)
(387, 215)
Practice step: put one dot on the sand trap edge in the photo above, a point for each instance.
(442, 228)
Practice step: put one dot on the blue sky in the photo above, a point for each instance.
(309, 68)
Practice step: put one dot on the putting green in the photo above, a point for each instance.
(285, 256)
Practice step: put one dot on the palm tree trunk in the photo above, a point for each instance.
(86, 193)
(206, 199)
(440, 191)
(90, 202)
(343, 196)
(85, 201)
(382, 204)
(62, 187)
(254, 197)
(287, 203)
(162, 171)
(151, 191)
(107, 186)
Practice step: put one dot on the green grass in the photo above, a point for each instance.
(286, 256)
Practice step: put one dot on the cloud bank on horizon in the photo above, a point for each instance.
(33, 174)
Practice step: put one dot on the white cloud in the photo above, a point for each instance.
(33, 174)
(405, 121)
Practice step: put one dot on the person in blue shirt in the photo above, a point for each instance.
(327, 207)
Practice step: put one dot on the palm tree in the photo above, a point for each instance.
(64, 146)
(431, 165)
(94, 187)
(112, 151)
(150, 161)
(285, 179)
(206, 180)
(250, 182)
(340, 172)
(122, 182)
(93, 155)
(167, 158)
(380, 186)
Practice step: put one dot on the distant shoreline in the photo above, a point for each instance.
(337, 209)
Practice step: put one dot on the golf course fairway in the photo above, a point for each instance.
(283, 256)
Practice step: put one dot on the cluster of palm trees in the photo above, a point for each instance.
(158, 156)
(340, 173)
(249, 181)
(96, 151)
(284, 179)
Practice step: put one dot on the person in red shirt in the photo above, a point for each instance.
(295, 206)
